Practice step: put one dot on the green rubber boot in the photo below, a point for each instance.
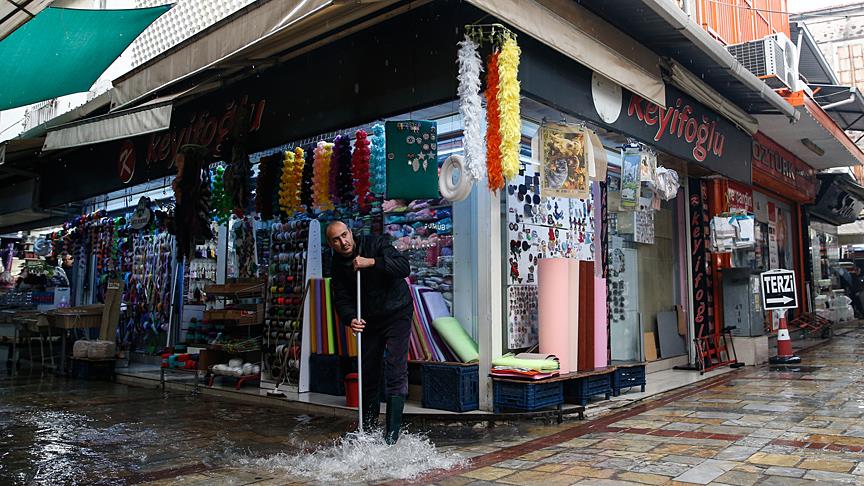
(395, 405)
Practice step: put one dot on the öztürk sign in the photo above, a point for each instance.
(778, 289)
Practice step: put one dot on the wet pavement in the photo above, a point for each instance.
(764, 425)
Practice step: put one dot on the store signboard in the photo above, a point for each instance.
(779, 170)
(683, 128)
(778, 289)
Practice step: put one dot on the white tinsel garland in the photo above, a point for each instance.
(471, 108)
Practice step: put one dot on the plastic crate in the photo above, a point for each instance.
(626, 377)
(451, 387)
(93, 369)
(327, 374)
(528, 396)
(579, 390)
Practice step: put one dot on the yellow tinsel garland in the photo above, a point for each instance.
(296, 177)
(321, 177)
(508, 107)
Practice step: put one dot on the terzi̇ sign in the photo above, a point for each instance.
(680, 121)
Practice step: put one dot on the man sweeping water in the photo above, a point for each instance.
(386, 320)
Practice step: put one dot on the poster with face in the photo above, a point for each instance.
(563, 161)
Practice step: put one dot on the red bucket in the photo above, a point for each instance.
(351, 390)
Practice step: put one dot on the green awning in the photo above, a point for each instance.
(63, 51)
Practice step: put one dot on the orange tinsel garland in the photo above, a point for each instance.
(493, 121)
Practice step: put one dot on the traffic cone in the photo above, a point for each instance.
(784, 345)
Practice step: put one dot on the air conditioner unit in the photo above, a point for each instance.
(774, 59)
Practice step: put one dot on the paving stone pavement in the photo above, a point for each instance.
(754, 426)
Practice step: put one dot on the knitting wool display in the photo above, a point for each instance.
(360, 169)
(378, 160)
(471, 107)
(321, 178)
(510, 125)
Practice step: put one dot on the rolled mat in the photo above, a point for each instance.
(600, 329)
(553, 309)
(455, 336)
(548, 364)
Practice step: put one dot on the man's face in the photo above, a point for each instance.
(341, 239)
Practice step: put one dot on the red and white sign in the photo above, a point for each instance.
(126, 162)
(740, 197)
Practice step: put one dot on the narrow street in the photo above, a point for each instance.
(753, 426)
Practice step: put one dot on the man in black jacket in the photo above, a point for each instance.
(387, 308)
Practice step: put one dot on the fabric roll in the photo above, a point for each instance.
(457, 339)
(553, 309)
(572, 304)
(601, 338)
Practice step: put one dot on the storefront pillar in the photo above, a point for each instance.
(488, 300)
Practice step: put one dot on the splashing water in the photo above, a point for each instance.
(362, 458)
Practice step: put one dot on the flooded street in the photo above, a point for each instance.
(755, 426)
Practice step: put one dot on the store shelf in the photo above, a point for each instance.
(236, 290)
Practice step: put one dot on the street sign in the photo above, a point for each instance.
(778, 289)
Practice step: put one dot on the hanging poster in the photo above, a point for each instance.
(631, 160)
(412, 159)
(563, 161)
(521, 316)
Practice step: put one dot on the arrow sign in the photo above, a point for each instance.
(778, 289)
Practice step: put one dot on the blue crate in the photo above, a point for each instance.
(580, 389)
(327, 374)
(626, 377)
(452, 387)
(528, 396)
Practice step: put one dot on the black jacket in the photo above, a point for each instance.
(385, 293)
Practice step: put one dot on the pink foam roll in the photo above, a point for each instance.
(600, 328)
(553, 309)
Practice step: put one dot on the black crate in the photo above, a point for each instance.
(327, 374)
(453, 387)
(528, 396)
(87, 369)
(626, 377)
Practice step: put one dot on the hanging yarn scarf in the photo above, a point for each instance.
(360, 168)
(493, 136)
(306, 182)
(268, 174)
(221, 202)
(508, 107)
(297, 179)
(344, 193)
(378, 160)
(471, 107)
(321, 182)
(285, 182)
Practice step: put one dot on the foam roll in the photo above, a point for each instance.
(600, 336)
(451, 187)
(553, 309)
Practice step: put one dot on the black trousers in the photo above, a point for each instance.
(385, 349)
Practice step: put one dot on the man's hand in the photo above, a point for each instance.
(363, 262)
(357, 325)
